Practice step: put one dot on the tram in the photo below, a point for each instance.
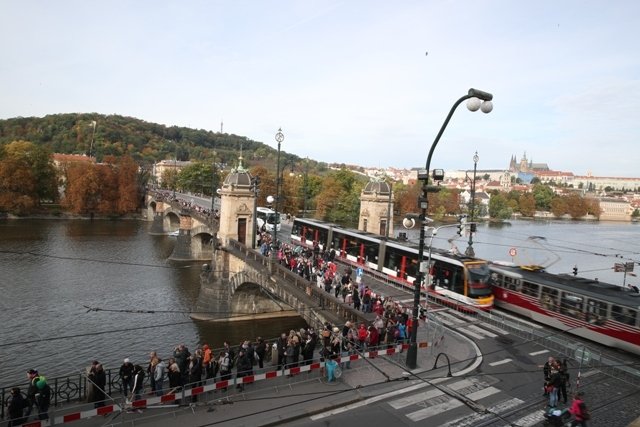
(601, 312)
(461, 279)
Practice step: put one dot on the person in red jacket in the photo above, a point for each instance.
(579, 411)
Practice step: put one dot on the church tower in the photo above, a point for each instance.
(376, 208)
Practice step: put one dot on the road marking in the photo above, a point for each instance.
(481, 394)
(500, 362)
(474, 418)
(434, 410)
(536, 353)
(495, 328)
(482, 331)
(369, 401)
(416, 398)
(501, 315)
(451, 318)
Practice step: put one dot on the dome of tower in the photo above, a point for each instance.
(376, 187)
(239, 177)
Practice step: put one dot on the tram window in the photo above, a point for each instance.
(530, 289)
(371, 252)
(392, 260)
(596, 312)
(511, 283)
(549, 298)
(624, 315)
(496, 280)
(571, 305)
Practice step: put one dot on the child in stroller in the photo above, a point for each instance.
(557, 417)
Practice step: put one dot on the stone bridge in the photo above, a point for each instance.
(194, 229)
(241, 281)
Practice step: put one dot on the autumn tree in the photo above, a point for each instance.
(558, 206)
(82, 187)
(128, 188)
(576, 206)
(406, 197)
(339, 200)
(527, 204)
(29, 176)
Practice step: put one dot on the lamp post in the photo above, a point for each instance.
(306, 177)
(388, 225)
(255, 184)
(213, 183)
(477, 99)
(472, 228)
(93, 135)
(279, 139)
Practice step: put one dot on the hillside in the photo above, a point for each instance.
(146, 142)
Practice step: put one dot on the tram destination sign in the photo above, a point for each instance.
(619, 267)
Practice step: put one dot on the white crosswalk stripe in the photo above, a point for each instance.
(472, 327)
(474, 418)
(436, 402)
(482, 331)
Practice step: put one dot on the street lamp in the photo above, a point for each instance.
(93, 135)
(306, 178)
(477, 100)
(213, 183)
(470, 252)
(255, 185)
(279, 139)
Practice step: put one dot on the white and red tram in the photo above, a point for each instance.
(459, 278)
(601, 312)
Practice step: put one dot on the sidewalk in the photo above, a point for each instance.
(277, 398)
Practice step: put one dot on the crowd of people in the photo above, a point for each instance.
(556, 383)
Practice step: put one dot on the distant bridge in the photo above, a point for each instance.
(238, 280)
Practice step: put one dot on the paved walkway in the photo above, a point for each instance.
(274, 400)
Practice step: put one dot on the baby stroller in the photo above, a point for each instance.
(557, 417)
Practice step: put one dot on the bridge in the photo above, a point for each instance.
(236, 280)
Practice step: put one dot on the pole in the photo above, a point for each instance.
(255, 181)
(306, 177)
(412, 352)
(388, 212)
(470, 252)
(213, 184)
(279, 138)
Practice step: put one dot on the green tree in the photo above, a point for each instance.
(543, 194)
(499, 207)
(527, 204)
(636, 213)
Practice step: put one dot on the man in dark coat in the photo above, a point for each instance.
(15, 408)
(244, 368)
(98, 378)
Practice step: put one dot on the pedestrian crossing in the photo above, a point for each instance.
(443, 406)
(469, 325)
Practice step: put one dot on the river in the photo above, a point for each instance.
(54, 271)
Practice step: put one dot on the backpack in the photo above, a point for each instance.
(43, 397)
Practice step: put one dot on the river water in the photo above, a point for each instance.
(53, 271)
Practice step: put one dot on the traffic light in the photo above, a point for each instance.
(461, 225)
(575, 270)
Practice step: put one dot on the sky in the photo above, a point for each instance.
(358, 82)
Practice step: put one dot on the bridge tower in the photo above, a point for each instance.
(376, 208)
(237, 203)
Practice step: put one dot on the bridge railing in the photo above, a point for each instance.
(318, 298)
